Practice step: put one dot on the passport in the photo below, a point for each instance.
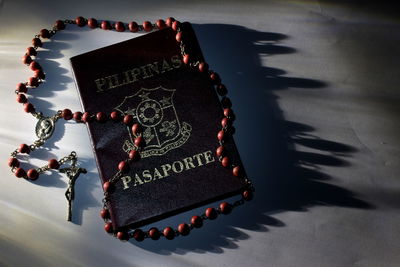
(180, 114)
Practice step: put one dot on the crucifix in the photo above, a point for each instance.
(73, 173)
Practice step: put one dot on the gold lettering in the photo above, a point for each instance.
(154, 67)
(166, 168)
(137, 180)
(135, 72)
(157, 174)
(147, 176)
(145, 74)
(100, 83)
(126, 180)
(209, 157)
(197, 156)
(188, 161)
(165, 67)
(126, 78)
(180, 165)
(112, 81)
(176, 61)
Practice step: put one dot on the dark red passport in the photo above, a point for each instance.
(180, 113)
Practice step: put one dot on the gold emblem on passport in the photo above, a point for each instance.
(154, 110)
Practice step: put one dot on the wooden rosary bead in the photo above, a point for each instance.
(225, 162)
(134, 155)
(54, 164)
(28, 107)
(32, 174)
(169, 21)
(59, 25)
(225, 208)
(26, 59)
(247, 195)
(203, 67)
(186, 59)
(39, 74)
(225, 122)
(176, 25)
(119, 26)
(21, 88)
(80, 21)
(136, 129)
(105, 25)
(133, 26)
(101, 117)
(221, 135)
(13, 162)
(34, 66)
(86, 117)
(226, 102)
(154, 233)
(66, 114)
(36, 42)
(211, 213)
(77, 116)
(161, 24)
(123, 166)
(123, 236)
(169, 233)
(115, 116)
(221, 89)
(33, 82)
(196, 221)
(215, 78)
(107, 187)
(92, 23)
(147, 26)
(184, 229)
(104, 213)
(178, 37)
(21, 98)
(220, 151)
(237, 171)
(128, 120)
(108, 227)
(24, 148)
(44, 33)
(20, 173)
(138, 235)
(139, 141)
(228, 112)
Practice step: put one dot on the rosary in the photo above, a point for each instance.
(46, 124)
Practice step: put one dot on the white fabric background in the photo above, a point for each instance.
(315, 90)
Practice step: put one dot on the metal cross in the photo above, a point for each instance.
(73, 173)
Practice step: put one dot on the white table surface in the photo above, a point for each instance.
(315, 89)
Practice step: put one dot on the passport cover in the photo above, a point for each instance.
(180, 114)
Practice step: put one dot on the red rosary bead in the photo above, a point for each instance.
(28, 107)
(186, 59)
(36, 42)
(21, 88)
(107, 187)
(77, 116)
(133, 26)
(115, 116)
(221, 135)
(128, 120)
(92, 23)
(66, 114)
(225, 122)
(53, 164)
(44, 33)
(215, 78)
(226, 102)
(178, 37)
(136, 129)
(169, 21)
(228, 112)
(60, 25)
(108, 228)
(196, 221)
(225, 208)
(123, 166)
(184, 229)
(169, 233)
(32, 174)
(203, 67)
(139, 141)
(26, 59)
(101, 117)
(105, 25)
(39, 74)
(24, 148)
(211, 213)
(220, 151)
(119, 26)
(247, 195)
(13, 162)
(80, 21)
(33, 82)
(147, 26)
(123, 236)
(154, 233)
(221, 89)
(138, 235)
(134, 155)
(104, 213)
(225, 162)
(86, 117)
(20, 173)
(21, 98)
(161, 24)
(236, 171)
(175, 25)
(35, 66)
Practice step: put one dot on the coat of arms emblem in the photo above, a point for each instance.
(154, 110)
